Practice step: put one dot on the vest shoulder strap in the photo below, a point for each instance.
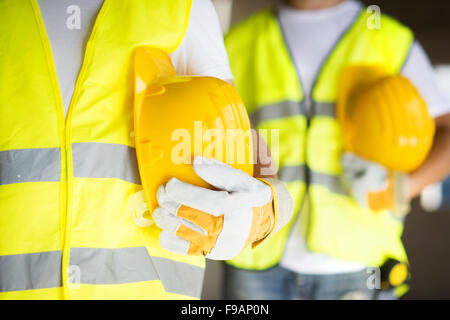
(386, 43)
(261, 63)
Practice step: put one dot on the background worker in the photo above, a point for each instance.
(286, 64)
(67, 158)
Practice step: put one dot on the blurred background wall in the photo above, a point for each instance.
(427, 227)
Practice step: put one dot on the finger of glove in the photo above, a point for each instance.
(244, 190)
(210, 223)
(175, 244)
(170, 242)
(195, 250)
(206, 200)
(359, 172)
(376, 177)
(205, 221)
(205, 242)
(171, 223)
(352, 164)
(222, 176)
(184, 230)
(165, 201)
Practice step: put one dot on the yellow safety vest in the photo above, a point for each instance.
(310, 143)
(65, 232)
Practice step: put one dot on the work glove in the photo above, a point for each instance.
(374, 186)
(219, 223)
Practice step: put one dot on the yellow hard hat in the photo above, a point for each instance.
(179, 117)
(383, 118)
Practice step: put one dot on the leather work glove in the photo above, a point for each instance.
(220, 223)
(374, 186)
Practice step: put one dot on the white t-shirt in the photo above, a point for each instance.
(69, 23)
(310, 36)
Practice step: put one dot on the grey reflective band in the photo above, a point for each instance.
(324, 109)
(292, 173)
(298, 173)
(101, 266)
(90, 160)
(30, 271)
(278, 110)
(288, 108)
(111, 266)
(125, 265)
(105, 160)
(30, 165)
(332, 182)
(179, 277)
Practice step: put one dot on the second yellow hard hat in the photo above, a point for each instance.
(383, 118)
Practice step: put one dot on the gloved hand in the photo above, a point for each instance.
(220, 223)
(375, 187)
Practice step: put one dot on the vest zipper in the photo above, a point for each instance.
(306, 105)
(86, 59)
(306, 197)
(66, 183)
(310, 106)
(60, 122)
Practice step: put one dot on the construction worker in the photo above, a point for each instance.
(287, 63)
(67, 159)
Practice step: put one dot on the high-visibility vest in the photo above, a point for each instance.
(65, 232)
(310, 143)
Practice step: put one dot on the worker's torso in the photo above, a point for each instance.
(65, 182)
(309, 136)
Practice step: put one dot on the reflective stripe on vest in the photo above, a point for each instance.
(97, 160)
(65, 182)
(30, 271)
(98, 266)
(297, 173)
(276, 111)
(290, 108)
(264, 78)
(90, 160)
(104, 160)
(30, 165)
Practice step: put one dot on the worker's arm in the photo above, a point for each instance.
(202, 51)
(420, 71)
(436, 166)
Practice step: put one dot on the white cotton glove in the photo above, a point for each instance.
(220, 223)
(375, 187)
